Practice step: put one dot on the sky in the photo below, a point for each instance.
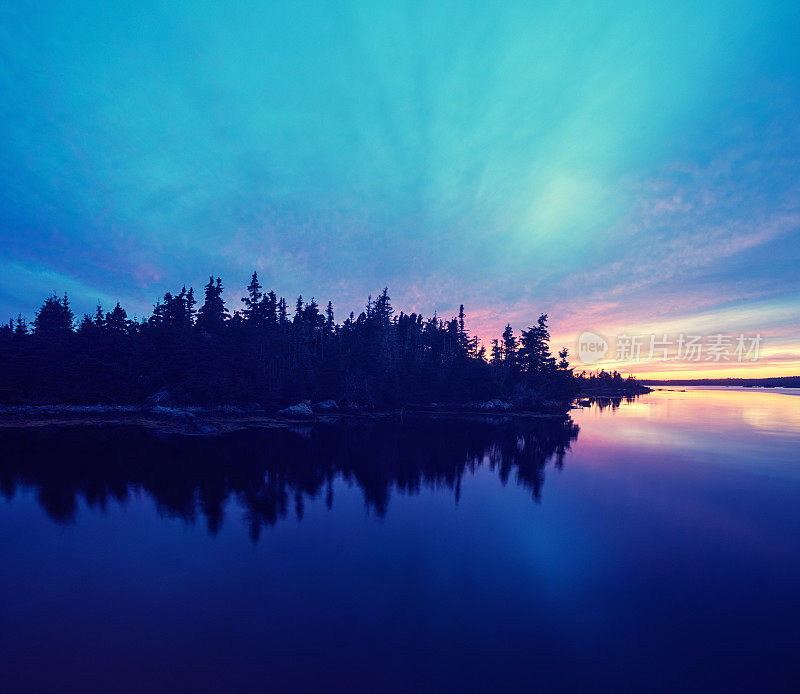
(628, 168)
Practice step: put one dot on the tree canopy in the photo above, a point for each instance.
(260, 354)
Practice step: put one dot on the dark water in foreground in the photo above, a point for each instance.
(657, 548)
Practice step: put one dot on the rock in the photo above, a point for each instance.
(325, 406)
(491, 406)
(173, 413)
(160, 397)
(354, 404)
(192, 423)
(252, 407)
(199, 425)
(298, 411)
(229, 409)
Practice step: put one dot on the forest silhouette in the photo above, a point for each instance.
(265, 356)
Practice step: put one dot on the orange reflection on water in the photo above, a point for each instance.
(704, 420)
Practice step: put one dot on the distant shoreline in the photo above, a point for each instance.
(778, 382)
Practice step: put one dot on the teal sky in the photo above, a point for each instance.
(614, 164)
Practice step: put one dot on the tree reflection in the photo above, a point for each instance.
(273, 473)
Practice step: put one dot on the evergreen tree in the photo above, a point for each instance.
(191, 304)
(21, 328)
(212, 314)
(117, 320)
(509, 348)
(54, 317)
(269, 308)
(99, 319)
(330, 324)
(252, 301)
(282, 312)
(563, 363)
(86, 326)
(496, 358)
(463, 338)
(179, 310)
(534, 354)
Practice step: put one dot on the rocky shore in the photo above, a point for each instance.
(204, 421)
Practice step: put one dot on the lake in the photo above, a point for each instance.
(643, 545)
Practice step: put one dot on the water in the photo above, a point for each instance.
(651, 546)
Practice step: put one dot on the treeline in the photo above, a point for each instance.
(264, 353)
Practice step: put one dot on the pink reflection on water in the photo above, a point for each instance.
(704, 462)
(757, 430)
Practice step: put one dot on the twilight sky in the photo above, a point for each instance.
(624, 167)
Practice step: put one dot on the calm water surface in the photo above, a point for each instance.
(652, 546)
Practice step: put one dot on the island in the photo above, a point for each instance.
(208, 369)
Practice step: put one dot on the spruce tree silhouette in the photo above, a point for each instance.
(212, 314)
(53, 317)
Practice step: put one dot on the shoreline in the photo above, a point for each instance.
(199, 422)
(194, 420)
